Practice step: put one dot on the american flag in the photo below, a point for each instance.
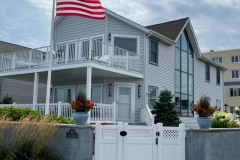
(84, 8)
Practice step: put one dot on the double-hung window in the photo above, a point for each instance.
(218, 103)
(218, 77)
(234, 92)
(235, 59)
(235, 73)
(153, 92)
(207, 73)
(217, 60)
(153, 57)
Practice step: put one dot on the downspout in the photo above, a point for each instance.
(145, 69)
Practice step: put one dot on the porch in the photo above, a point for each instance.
(100, 113)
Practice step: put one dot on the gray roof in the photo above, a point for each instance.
(169, 29)
(6, 47)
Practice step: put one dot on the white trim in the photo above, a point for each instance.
(98, 84)
(126, 36)
(72, 65)
(64, 42)
(64, 87)
(132, 85)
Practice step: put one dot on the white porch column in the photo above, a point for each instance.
(35, 90)
(88, 87)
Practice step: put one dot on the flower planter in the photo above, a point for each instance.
(80, 118)
(204, 122)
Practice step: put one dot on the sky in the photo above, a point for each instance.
(216, 23)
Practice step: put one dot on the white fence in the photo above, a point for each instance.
(146, 116)
(126, 142)
(101, 112)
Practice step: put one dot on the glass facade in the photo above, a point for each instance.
(184, 76)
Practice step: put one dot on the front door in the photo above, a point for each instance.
(125, 102)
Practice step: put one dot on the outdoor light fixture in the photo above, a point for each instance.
(109, 36)
(139, 91)
(110, 90)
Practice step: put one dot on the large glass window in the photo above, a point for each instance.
(184, 75)
(153, 51)
(127, 43)
(96, 91)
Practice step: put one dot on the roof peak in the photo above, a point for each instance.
(168, 21)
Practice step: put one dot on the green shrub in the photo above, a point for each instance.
(62, 120)
(15, 114)
(7, 100)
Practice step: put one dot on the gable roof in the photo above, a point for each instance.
(169, 29)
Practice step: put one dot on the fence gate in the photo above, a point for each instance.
(128, 142)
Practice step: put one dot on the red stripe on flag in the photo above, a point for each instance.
(78, 4)
(81, 15)
(78, 9)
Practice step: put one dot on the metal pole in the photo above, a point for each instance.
(50, 62)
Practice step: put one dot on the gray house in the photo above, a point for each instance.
(122, 66)
(20, 91)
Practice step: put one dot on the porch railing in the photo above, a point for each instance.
(101, 112)
(73, 52)
(146, 116)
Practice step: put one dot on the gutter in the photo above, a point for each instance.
(213, 63)
(162, 37)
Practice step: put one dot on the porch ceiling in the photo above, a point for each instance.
(68, 74)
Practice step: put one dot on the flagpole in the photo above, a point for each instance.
(50, 62)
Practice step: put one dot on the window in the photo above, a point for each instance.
(207, 73)
(234, 92)
(153, 57)
(218, 103)
(235, 59)
(209, 100)
(64, 94)
(184, 77)
(217, 60)
(235, 73)
(218, 77)
(129, 44)
(96, 91)
(152, 96)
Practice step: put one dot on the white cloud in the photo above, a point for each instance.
(3, 32)
(231, 32)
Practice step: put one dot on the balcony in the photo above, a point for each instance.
(73, 52)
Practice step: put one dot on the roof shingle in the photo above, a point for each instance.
(169, 29)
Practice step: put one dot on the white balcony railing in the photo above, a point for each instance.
(73, 52)
(101, 112)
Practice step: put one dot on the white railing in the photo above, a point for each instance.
(146, 116)
(101, 112)
(73, 52)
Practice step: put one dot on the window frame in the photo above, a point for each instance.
(126, 36)
(218, 100)
(218, 77)
(150, 52)
(73, 87)
(207, 73)
(233, 90)
(217, 60)
(235, 71)
(98, 84)
(233, 59)
(150, 89)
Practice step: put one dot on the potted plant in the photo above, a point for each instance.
(81, 107)
(205, 112)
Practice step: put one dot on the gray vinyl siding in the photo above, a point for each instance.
(105, 90)
(161, 75)
(72, 28)
(22, 91)
(201, 87)
(8, 47)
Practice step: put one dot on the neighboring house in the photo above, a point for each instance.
(128, 65)
(21, 91)
(230, 59)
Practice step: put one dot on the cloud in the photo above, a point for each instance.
(3, 32)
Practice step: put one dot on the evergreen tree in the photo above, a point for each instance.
(7, 100)
(165, 111)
